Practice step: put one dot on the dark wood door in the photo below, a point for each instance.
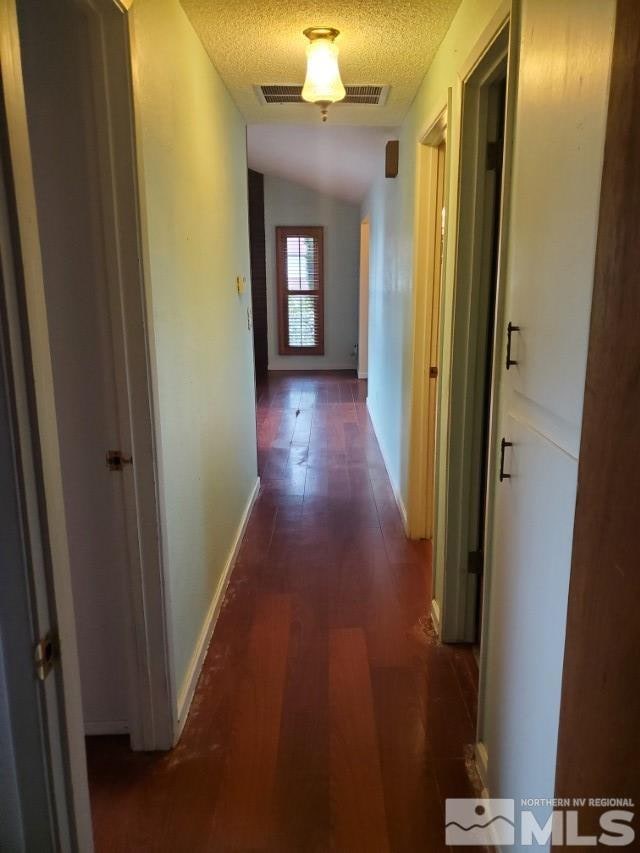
(599, 738)
(258, 273)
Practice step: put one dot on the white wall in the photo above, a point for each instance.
(191, 142)
(286, 203)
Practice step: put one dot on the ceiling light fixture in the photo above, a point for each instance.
(322, 85)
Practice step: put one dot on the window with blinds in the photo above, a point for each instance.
(300, 290)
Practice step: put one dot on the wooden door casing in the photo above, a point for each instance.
(598, 745)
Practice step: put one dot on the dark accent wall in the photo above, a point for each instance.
(258, 273)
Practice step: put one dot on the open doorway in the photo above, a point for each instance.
(467, 397)
(430, 238)
(492, 141)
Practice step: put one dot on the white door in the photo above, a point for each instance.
(65, 160)
(27, 812)
(557, 163)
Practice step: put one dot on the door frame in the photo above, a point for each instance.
(422, 452)
(455, 600)
(153, 709)
(50, 816)
(38, 468)
(602, 632)
(363, 299)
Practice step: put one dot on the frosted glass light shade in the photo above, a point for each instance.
(322, 84)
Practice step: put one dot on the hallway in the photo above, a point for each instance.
(326, 717)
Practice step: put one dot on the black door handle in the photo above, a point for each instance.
(510, 329)
(503, 446)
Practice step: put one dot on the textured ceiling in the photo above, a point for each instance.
(253, 42)
(338, 161)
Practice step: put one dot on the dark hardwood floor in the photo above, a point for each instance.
(327, 717)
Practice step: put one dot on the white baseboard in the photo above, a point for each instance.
(481, 757)
(185, 694)
(400, 504)
(363, 374)
(482, 765)
(435, 616)
(106, 727)
(396, 492)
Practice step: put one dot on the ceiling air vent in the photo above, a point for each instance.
(373, 95)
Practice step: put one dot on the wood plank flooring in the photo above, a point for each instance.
(327, 718)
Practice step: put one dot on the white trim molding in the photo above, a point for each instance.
(435, 616)
(396, 491)
(190, 681)
(482, 765)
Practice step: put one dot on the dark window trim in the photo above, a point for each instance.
(282, 232)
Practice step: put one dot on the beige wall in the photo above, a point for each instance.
(191, 141)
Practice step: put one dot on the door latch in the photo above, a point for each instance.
(116, 459)
(433, 372)
(45, 654)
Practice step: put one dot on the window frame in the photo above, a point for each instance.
(283, 291)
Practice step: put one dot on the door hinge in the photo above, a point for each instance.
(116, 459)
(45, 654)
(475, 566)
(433, 372)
